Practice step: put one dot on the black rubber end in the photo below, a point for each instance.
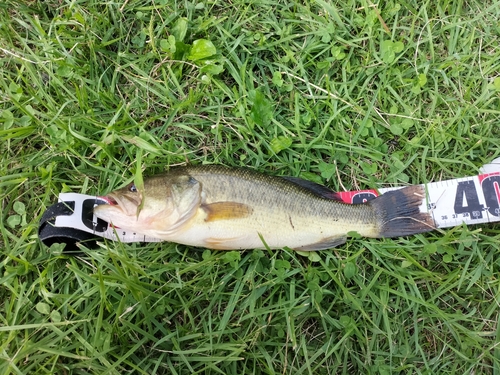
(50, 234)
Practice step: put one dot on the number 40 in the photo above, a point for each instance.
(467, 199)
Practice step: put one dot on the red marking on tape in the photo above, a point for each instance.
(359, 196)
(482, 177)
(497, 191)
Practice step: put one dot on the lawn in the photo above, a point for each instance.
(350, 94)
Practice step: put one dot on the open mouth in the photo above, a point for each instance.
(121, 203)
(109, 200)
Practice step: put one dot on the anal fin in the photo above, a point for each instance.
(325, 243)
(222, 243)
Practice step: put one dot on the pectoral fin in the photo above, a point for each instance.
(226, 211)
(325, 243)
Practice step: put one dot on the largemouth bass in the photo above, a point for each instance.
(226, 208)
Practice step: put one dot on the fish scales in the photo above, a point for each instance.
(274, 195)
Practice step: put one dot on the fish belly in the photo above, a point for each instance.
(259, 231)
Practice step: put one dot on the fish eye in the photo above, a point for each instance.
(132, 188)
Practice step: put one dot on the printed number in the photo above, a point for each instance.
(467, 200)
(491, 191)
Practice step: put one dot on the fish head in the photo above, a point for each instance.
(161, 207)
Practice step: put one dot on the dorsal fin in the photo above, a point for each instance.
(315, 188)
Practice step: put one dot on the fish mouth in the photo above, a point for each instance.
(109, 200)
(127, 204)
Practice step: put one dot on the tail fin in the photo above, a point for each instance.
(399, 214)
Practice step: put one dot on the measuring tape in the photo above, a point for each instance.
(469, 200)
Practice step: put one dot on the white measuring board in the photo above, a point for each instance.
(469, 200)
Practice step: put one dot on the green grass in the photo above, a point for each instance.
(346, 93)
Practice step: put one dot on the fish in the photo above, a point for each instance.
(224, 208)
